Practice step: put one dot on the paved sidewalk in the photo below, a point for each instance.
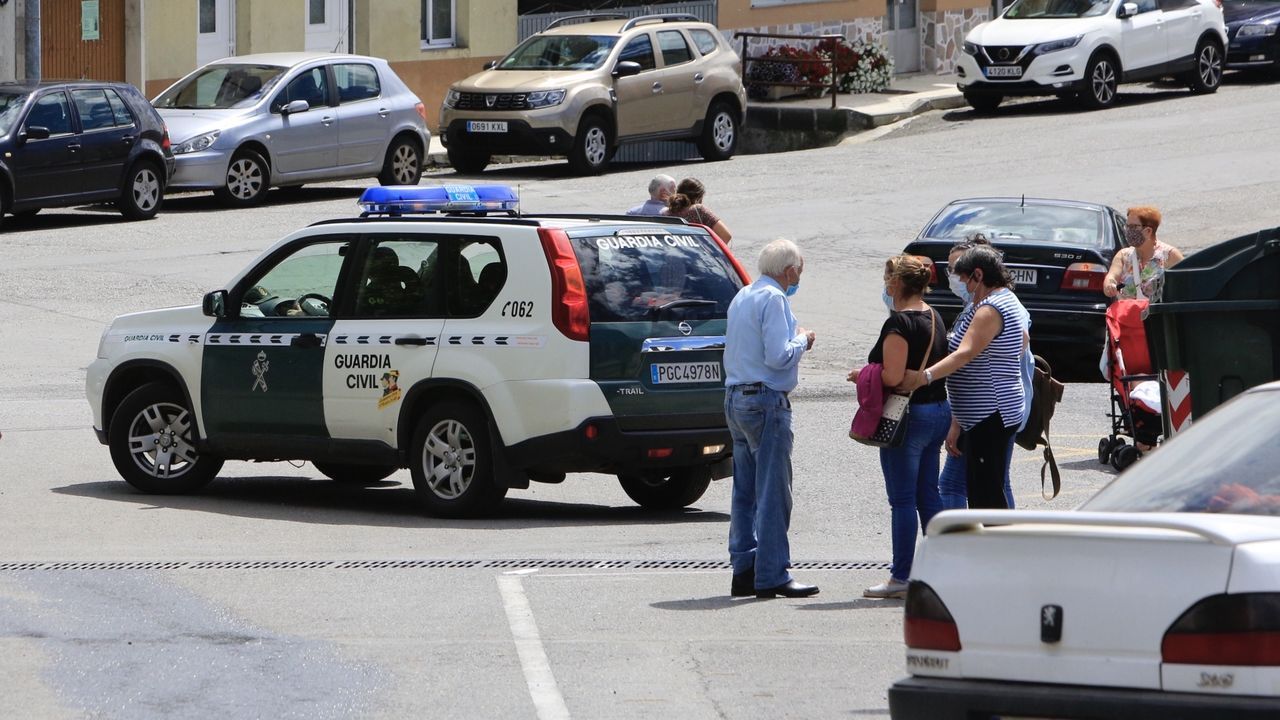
(908, 95)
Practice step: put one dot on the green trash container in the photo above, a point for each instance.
(1219, 321)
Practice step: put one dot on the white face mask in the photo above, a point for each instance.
(957, 287)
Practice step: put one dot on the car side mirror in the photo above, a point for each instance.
(1127, 10)
(491, 65)
(37, 132)
(215, 304)
(296, 106)
(626, 68)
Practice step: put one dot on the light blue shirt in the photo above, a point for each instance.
(648, 207)
(761, 342)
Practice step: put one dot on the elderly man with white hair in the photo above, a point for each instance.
(661, 187)
(762, 350)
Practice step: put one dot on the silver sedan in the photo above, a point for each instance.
(243, 124)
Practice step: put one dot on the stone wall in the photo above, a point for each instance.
(942, 34)
(866, 29)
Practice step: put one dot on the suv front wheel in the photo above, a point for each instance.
(467, 162)
(719, 133)
(153, 444)
(591, 148)
(671, 490)
(1101, 77)
(1207, 75)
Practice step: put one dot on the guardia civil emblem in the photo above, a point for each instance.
(260, 367)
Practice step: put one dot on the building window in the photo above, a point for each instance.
(208, 16)
(315, 12)
(437, 23)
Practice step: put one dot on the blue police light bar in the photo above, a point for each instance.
(411, 199)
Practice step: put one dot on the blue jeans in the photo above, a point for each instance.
(952, 487)
(759, 421)
(911, 479)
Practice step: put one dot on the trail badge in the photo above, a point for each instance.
(260, 367)
(390, 388)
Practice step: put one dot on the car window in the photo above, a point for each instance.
(356, 81)
(220, 87)
(1227, 462)
(10, 105)
(401, 278)
(639, 50)
(705, 41)
(559, 52)
(674, 48)
(1040, 9)
(94, 109)
(311, 85)
(481, 273)
(51, 111)
(302, 284)
(119, 109)
(655, 277)
(1011, 223)
(1146, 6)
(1168, 5)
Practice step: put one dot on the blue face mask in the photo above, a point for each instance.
(792, 288)
(957, 287)
(887, 298)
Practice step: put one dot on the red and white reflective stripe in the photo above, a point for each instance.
(1177, 385)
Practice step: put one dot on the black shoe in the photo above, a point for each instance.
(792, 589)
(744, 584)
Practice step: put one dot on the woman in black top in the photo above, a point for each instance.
(910, 470)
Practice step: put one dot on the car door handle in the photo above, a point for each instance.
(306, 340)
(411, 341)
(698, 78)
(657, 87)
(326, 121)
(127, 139)
(73, 147)
(383, 112)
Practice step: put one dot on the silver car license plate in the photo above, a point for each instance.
(486, 126)
(691, 372)
(1009, 71)
(1023, 276)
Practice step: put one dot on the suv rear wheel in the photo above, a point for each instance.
(1101, 76)
(591, 148)
(152, 442)
(468, 162)
(142, 193)
(1207, 75)
(452, 461)
(719, 133)
(670, 491)
(354, 474)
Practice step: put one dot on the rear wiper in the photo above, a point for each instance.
(659, 310)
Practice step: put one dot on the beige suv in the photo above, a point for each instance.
(589, 83)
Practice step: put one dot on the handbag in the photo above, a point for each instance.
(891, 430)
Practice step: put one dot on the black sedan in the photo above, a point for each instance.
(1251, 33)
(1058, 252)
(68, 143)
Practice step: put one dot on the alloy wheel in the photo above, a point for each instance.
(244, 179)
(722, 132)
(160, 441)
(596, 146)
(146, 189)
(404, 165)
(449, 459)
(1209, 65)
(1103, 82)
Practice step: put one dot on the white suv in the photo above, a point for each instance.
(1085, 48)
(481, 352)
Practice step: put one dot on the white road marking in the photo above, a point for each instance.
(547, 700)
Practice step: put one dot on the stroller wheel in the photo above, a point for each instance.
(1124, 456)
(1104, 451)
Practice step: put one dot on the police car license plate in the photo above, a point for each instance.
(1023, 276)
(694, 372)
(1004, 71)
(486, 126)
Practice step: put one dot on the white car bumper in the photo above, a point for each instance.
(1053, 73)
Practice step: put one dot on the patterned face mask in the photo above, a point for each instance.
(1133, 235)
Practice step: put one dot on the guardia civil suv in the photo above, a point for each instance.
(1083, 49)
(589, 83)
(479, 348)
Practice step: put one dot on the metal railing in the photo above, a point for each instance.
(815, 39)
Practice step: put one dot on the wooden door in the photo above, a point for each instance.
(66, 55)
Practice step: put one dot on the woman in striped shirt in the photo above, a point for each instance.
(983, 371)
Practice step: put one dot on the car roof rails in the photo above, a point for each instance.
(669, 17)
(585, 18)
(613, 217)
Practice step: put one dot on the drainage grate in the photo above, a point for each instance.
(153, 565)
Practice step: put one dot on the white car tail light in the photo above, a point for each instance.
(1239, 629)
(928, 624)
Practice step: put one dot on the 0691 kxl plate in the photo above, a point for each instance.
(486, 126)
(690, 372)
(1009, 71)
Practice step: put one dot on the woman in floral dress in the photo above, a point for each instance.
(1153, 258)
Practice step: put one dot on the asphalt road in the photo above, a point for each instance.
(276, 593)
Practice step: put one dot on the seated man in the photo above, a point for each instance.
(390, 289)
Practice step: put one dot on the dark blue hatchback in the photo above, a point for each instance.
(67, 143)
(1251, 33)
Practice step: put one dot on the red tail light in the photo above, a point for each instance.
(569, 312)
(933, 270)
(660, 452)
(422, 111)
(928, 624)
(1241, 629)
(1085, 277)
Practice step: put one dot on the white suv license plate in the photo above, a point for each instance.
(486, 126)
(694, 372)
(1023, 276)
(1004, 71)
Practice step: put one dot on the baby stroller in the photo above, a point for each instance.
(1135, 394)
